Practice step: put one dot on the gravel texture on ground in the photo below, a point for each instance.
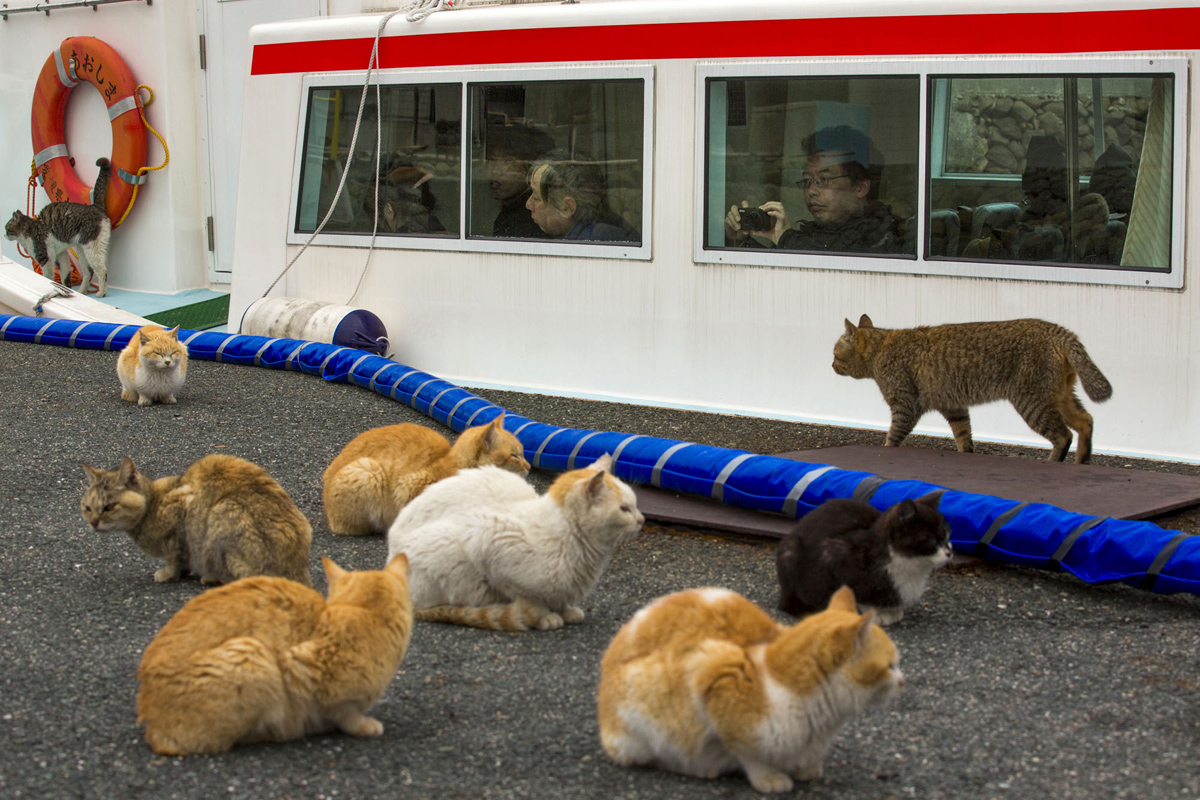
(1020, 683)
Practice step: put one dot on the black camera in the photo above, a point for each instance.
(755, 219)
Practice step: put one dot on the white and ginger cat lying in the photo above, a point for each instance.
(703, 682)
(268, 660)
(153, 366)
(487, 551)
(223, 519)
(381, 470)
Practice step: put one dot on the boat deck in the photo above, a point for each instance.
(1085, 488)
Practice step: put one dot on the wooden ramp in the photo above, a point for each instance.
(1101, 491)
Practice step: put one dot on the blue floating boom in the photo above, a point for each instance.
(1094, 549)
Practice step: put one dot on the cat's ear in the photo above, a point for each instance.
(333, 572)
(862, 636)
(595, 486)
(906, 512)
(604, 463)
(843, 600)
(865, 322)
(398, 564)
(490, 432)
(142, 337)
(94, 475)
(174, 333)
(127, 472)
(850, 329)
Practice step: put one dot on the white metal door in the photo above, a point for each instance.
(225, 27)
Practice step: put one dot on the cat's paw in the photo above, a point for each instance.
(771, 782)
(888, 616)
(166, 574)
(209, 580)
(144, 400)
(809, 773)
(129, 394)
(573, 615)
(550, 622)
(363, 726)
(169, 399)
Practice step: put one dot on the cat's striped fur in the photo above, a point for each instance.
(948, 368)
(61, 225)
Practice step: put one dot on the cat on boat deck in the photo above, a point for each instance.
(61, 225)
(267, 660)
(487, 551)
(223, 519)
(153, 366)
(381, 470)
(703, 682)
(948, 368)
(885, 557)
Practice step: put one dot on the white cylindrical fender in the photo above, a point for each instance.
(315, 321)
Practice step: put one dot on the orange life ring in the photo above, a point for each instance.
(79, 59)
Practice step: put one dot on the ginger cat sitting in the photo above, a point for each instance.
(153, 366)
(381, 470)
(703, 682)
(268, 660)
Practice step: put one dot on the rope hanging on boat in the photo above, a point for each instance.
(420, 9)
(142, 170)
(372, 64)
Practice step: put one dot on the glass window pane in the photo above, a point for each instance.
(823, 164)
(419, 163)
(1045, 169)
(557, 160)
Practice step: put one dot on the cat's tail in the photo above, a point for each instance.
(100, 191)
(519, 615)
(1094, 383)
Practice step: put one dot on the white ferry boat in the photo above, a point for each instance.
(919, 166)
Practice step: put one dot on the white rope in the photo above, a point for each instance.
(418, 10)
(58, 291)
(371, 65)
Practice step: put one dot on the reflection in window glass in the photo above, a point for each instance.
(804, 164)
(557, 160)
(1044, 169)
(419, 167)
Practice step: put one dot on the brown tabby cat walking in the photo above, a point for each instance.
(268, 660)
(223, 519)
(948, 368)
(702, 682)
(383, 469)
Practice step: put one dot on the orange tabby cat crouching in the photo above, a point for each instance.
(703, 682)
(153, 366)
(381, 470)
(268, 660)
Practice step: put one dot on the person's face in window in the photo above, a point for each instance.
(552, 221)
(831, 196)
(506, 177)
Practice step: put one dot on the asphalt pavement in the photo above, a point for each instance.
(1020, 684)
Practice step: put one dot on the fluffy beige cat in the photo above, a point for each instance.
(268, 660)
(223, 519)
(703, 682)
(153, 366)
(383, 469)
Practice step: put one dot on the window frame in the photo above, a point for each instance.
(926, 70)
(467, 78)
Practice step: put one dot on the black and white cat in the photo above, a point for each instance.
(61, 225)
(885, 557)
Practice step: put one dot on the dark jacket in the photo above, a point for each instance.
(872, 231)
(612, 228)
(514, 220)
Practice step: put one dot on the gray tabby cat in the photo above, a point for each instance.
(62, 225)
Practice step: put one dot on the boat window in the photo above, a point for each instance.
(557, 161)
(419, 161)
(812, 164)
(1052, 169)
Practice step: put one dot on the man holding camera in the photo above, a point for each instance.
(840, 184)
